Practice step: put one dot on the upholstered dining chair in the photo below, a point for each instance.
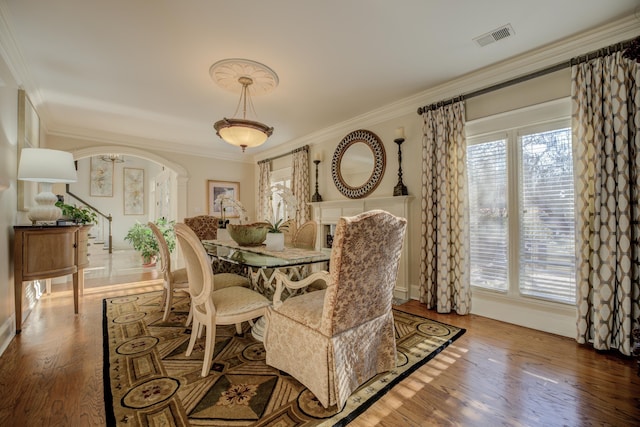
(210, 305)
(174, 280)
(305, 236)
(205, 226)
(289, 230)
(347, 329)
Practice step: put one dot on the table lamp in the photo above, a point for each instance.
(46, 167)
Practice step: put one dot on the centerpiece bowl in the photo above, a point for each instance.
(248, 234)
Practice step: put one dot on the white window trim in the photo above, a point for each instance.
(510, 306)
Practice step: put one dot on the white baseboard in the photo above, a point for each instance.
(7, 332)
(401, 293)
(559, 319)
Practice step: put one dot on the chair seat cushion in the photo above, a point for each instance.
(180, 276)
(225, 280)
(305, 309)
(236, 300)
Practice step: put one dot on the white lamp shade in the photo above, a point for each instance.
(45, 165)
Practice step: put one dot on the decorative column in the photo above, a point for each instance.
(400, 189)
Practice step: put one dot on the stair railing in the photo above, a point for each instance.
(108, 217)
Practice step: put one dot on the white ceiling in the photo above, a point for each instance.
(137, 70)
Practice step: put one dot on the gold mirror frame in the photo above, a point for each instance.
(379, 163)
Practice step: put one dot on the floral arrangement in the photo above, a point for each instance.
(286, 207)
(226, 201)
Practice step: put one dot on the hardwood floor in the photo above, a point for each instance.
(495, 374)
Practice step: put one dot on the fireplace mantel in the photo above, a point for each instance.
(327, 213)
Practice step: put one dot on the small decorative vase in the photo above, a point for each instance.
(275, 242)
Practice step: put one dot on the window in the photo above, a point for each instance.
(279, 177)
(487, 174)
(521, 212)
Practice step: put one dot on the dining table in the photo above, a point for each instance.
(261, 264)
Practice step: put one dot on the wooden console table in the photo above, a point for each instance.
(43, 252)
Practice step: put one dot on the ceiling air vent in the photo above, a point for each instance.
(495, 35)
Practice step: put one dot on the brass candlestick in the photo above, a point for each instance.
(400, 189)
(316, 197)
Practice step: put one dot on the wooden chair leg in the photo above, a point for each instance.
(194, 335)
(208, 349)
(163, 301)
(190, 316)
(169, 302)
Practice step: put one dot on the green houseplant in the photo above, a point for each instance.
(142, 239)
(80, 215)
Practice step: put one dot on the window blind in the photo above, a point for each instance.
(547, 240)
(487, 175)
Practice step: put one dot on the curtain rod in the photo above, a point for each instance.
(633, 43)
(295, 150)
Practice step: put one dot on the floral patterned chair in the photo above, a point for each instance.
(347, 329)
(212, 304)
(205, 226)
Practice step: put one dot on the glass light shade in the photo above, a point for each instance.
(47, 167)
(242, 133)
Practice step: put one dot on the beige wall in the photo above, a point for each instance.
(541, 89)
(202, 169)
(552, 86)
(8, 199)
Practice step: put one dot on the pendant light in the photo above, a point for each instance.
(247, 76)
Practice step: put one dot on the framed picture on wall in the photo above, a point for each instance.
(219, 188)
(101, 177)
(133, 193)
(28, 137)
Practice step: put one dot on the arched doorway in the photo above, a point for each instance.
(177, 202)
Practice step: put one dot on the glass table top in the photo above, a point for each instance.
(259, 257)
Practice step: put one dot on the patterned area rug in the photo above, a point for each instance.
(150, 382)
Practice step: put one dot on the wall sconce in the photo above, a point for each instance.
(317, 159)
(400, 189)
(46, 167)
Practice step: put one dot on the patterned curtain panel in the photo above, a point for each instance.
(445, 247)
(264, 185)
(606, 146)
(300, 185)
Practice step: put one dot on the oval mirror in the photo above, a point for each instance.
(358, 164)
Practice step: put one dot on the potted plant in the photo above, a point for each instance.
(143, 240)
(278, 223)
(79, 215)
